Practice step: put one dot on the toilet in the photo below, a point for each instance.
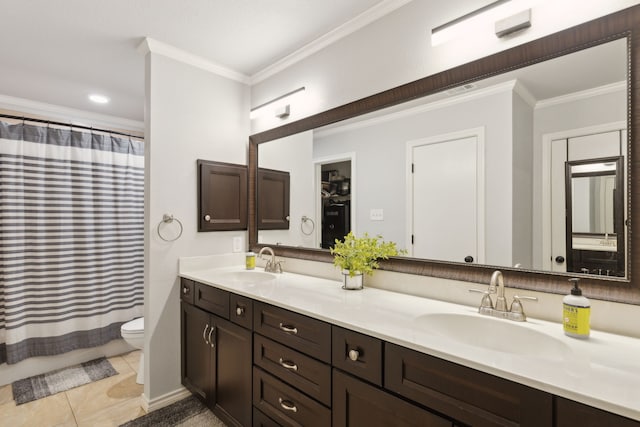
(133, 333)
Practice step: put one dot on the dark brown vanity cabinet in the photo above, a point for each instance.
(216, 359)
(261, 365)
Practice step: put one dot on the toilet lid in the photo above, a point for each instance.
(136, 325)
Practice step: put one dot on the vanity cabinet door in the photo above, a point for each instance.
(465, 394)
(570, 413)
(196, 351)
(232, 372)
(356, 403)
(212, 299)
(357, 354)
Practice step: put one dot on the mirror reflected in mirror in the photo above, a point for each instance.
(474, 174)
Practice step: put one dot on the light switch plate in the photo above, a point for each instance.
(376, 214)
(237, 244)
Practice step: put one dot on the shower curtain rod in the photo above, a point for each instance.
(53, 122)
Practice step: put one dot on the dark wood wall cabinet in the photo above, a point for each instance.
(255, 364)
(222, 196)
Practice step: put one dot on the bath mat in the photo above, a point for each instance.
(189, 412)
(44, 385)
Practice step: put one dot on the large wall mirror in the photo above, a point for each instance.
(518, 161)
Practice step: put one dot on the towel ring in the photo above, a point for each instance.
(304, 220)
(168, 219)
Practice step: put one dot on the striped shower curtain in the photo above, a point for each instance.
(71, 238)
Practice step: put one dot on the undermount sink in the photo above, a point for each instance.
(246, 277)
(488, 333)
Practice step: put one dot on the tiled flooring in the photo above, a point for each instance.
(108, 402)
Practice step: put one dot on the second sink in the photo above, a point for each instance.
(493, 334)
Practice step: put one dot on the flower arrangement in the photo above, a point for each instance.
(360, 255)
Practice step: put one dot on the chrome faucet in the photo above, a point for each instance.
(496, 286)
(271, 266)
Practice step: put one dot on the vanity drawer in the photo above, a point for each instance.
(303, 372)
(358, 354)
(286, 405)
(241, 310)
(310, 336)
(465, 394)
(570, 413)
(187, 290)
(212, 299)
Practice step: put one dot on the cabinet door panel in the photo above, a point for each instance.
(358, 354)
(232, 372)
(305, 334)
(222, 196)
(196, 352)
(570, 413)
(356, 403)
(286, 405)
(303, 372)
(212, 299)
(467, 395)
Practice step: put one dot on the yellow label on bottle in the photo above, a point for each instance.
(250, 262)
(576, 319)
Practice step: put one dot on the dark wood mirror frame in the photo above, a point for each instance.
(625, 23)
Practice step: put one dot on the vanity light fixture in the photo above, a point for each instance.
(98, 99)
(513, 23)
(462, 24)
(280, 106)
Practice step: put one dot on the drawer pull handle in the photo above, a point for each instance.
(289, 329)
(354, 354)
(287, 405)
(204, 334)
(239, 311)
(210, 341)
(288, 365)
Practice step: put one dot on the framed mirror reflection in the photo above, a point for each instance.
(467, 169)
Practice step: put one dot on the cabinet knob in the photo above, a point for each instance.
(354, 354)
(185, 290)
(207, 217)
(239, 310)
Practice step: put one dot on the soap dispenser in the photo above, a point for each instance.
(576, 311)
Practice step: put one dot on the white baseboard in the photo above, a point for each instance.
(164, 400)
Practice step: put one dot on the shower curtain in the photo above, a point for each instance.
(71, 238)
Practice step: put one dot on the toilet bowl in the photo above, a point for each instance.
(133, 333)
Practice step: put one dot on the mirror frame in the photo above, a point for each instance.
(622, 24)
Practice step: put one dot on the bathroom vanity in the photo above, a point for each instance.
(287, 349)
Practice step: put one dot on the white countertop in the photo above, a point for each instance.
(603, 371)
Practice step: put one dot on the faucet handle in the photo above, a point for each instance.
(486, 305)
(277, 268)
(516, 312)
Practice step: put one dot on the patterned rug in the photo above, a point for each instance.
(44, 385)
(189, 412)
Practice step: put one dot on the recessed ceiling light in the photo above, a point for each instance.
(98, 99)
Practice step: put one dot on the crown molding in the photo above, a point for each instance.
(584, 94)
(71, 115)
(157, 47)
(365, 18)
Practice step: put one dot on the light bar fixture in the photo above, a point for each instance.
(280, 105)
(446, 31)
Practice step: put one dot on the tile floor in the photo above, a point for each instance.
(108, 402)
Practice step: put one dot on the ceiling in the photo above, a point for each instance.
(60, 51)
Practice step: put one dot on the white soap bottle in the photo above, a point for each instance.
(576, 311)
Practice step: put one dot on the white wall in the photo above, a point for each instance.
(293, 154)
(397, 49)
(189, 114)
